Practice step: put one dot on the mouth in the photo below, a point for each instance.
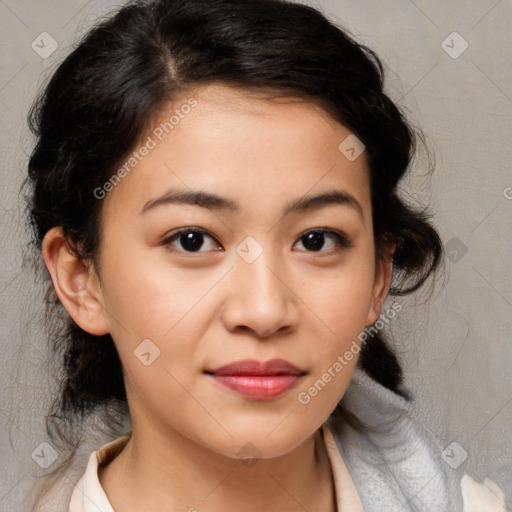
(258, 380)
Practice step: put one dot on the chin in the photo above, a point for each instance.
(262, 439)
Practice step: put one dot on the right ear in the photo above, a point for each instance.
(76, 283)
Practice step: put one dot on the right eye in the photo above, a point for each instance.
(191, 240)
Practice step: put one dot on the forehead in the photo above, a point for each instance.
(243, 144)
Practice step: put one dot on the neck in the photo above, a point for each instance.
(171, 472)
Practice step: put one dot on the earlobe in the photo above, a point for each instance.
(383, 276)
(76, 283)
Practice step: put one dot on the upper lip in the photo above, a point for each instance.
(254, 367)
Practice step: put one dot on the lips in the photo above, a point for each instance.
(258, 380)
(258, 368)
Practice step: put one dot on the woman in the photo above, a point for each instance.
(214, 193)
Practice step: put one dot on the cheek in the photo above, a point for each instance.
(162, 313)
(346, 311)
(150, 300)
(160, 394)
(335, 356)
(342, 301)
(343, 298)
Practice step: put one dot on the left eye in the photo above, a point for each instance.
(192, 240)
(322, 241)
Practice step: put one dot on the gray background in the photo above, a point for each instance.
(455, 346)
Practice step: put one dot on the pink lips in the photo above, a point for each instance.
(258, 380)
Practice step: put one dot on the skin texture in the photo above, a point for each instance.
(209, 308)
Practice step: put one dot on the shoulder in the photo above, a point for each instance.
(88, 495)
(397, 460)
(482, 497)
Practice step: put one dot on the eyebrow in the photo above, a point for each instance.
(215, 202)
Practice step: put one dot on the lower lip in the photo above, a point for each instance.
(259, 387)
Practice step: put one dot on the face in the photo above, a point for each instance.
(242, 237)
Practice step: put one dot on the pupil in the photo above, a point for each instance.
(314, 241)
(192, 241)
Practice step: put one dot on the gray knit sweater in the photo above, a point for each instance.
(398, 465)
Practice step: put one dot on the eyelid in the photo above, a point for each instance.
(168, 239)
(333, 231)
(344, 241)
(186, 229)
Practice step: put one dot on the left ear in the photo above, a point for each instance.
(383, 275)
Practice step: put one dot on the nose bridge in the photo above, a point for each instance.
(261, 282)
(259, 298)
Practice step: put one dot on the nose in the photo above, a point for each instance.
(260, 301)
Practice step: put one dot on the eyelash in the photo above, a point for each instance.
(342, 241)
